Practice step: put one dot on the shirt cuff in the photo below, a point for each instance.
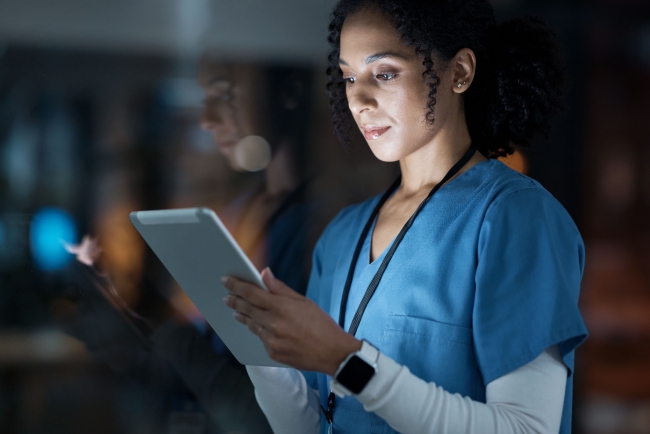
(380, 384)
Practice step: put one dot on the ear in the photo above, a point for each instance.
(463, 69)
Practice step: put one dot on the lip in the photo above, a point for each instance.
(371, 132)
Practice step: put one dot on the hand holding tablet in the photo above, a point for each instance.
(199, 252)
(294, 329)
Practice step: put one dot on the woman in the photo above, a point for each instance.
(249, 108)
(473, 324)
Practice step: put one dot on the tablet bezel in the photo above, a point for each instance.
(197, 249)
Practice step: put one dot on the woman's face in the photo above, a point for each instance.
(230, 107)
(219, 117)
(386, 91)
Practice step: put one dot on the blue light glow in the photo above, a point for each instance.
(50, 228)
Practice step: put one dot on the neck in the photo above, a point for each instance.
(281, 175)
(427, 166)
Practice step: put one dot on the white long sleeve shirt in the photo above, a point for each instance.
(527, 400)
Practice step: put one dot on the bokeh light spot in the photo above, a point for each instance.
(516, 161)
(253, 153)
(50, 229)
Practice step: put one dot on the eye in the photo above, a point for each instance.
(349, 79)
(386, 76)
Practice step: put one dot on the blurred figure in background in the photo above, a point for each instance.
(259, 120)
(258, 116)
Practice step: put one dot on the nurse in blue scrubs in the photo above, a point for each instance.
(449, 303)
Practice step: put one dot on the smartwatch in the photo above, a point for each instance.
(356, 371)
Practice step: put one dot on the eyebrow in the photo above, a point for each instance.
(376, 57)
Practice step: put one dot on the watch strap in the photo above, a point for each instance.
(369, 352)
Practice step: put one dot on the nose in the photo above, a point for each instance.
(361, 97)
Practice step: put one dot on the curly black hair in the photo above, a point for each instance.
(519, 81)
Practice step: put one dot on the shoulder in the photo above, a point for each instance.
(504, 181)
(350, 217)
(353, 213)
(521, 210)
(511, 190)
(347, 224)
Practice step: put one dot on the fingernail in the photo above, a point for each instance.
(235, 314)
(224, 280)
(270, 272)
(225, 300)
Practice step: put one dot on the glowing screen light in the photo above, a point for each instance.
(50, 229)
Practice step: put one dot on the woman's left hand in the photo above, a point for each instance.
(294, 329)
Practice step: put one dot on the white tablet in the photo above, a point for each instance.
(198, 250)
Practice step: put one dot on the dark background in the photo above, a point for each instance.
(99, 115)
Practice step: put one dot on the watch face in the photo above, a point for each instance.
(355, 374)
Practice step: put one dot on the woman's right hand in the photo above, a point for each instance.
(294, 329)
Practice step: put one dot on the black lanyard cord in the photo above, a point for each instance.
(357, 252)
(356, 320)
(354, 325)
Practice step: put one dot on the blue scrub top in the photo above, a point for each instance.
(486, 279)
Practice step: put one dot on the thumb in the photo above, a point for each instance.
(274, 285)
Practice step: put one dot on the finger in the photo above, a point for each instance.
(254, 327)
(274, 285)
(246, 290)
(241, 305)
